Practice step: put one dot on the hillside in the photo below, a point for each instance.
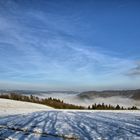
(8, 107)
(133, 94)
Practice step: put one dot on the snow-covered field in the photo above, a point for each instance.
(50, 124)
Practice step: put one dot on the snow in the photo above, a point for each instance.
(8, 107)
(50, 124)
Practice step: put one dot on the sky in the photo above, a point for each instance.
(69, 44)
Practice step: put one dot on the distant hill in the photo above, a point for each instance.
(133, 94)
(36, 92)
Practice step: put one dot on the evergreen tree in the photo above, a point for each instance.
(117, 107)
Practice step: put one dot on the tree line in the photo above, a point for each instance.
(110, 107)
(55, 103)
(60, 104)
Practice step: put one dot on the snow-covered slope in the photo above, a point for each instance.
(8, 107)
(50, 124)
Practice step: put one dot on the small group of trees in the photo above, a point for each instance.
(110, 107)
(60, 104)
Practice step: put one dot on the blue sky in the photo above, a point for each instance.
(69, 44)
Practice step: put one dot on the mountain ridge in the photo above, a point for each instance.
(133, 94)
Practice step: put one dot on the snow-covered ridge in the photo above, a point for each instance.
(8, 107)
